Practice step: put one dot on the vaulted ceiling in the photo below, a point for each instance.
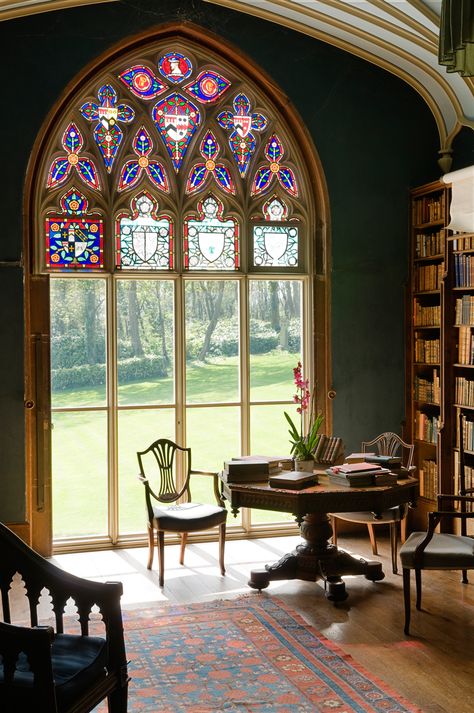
(401, 36)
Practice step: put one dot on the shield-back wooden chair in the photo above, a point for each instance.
(164, 513)
(387, 444)
(45, 667)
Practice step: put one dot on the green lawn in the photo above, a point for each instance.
(80, 438)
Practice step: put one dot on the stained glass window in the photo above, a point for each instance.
(211, 242)
(144, 240)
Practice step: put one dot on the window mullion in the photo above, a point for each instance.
(112, 421)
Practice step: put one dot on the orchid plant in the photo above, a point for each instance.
(303, 445)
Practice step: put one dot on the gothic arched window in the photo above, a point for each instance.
(175, 218)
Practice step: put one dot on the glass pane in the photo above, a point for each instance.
(74, 242)
(211, 243)
(78, 344)
(79, 472)
(136, 431)
(213, 434)
(269, 436)
(276, 324)
(144, 240)
(145, 342)
(275, 246)
(212, 341)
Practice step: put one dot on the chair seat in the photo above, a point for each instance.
(77, 662)
(188, 517)
(444, 551)
(390, 515)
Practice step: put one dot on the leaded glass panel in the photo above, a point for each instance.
(275, 245)
(144, 240)
(211, 243)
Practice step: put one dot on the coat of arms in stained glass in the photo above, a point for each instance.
(210, 242)
(177, 119)
(73, 238)
(275, 245)
(107, 134)
(241, 123)
(144, 240)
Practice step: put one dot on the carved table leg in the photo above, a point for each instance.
(315, 558)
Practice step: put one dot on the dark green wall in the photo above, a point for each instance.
(375, 136)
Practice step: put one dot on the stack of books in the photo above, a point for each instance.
(361, 475)
(252, 469)
(296, 480)
(329, 448)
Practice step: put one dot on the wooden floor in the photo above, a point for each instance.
(433, 668)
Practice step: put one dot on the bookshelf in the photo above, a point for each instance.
(440, 348)
(425, 340)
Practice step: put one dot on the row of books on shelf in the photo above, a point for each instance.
(426, 315)
(464, 310)
(429, 244)
(426, 389)
(426, 427)
(465, 346)
(468, 435)
(427, 351)
(428, 277)
(428, 209)
(463, 391)
(463, 270)
(463, 242)
(428, 479)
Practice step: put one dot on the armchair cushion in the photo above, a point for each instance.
(444, 551)
(77, 662)
(188, 517)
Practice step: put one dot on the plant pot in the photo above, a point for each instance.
(304, 466)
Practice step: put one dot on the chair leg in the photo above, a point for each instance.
(222, 547)
(334, 530)
(184, 539)
(394, 546)
(161, 556)
(406, 599)
(464, 577)
(373, 541)
(151, 546)
(418, 588)
(117, 701)
(403, 529)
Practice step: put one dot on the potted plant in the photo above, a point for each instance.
(304, 443)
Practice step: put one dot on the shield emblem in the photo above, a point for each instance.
(145, 243)
(177, 126)
(211, 244)
(242, 124)
(276, 243)
(106, 113)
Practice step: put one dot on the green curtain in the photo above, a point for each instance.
(456, 36)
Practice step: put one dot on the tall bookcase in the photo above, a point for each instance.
(426, 378)
(440, 348)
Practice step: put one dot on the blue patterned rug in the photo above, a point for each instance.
(247, 655)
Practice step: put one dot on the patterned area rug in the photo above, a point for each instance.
(247, 655)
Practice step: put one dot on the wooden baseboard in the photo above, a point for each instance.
(22, 529)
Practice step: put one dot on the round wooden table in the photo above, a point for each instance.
(316, 558)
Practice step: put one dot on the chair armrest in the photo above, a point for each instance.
(216, 484)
